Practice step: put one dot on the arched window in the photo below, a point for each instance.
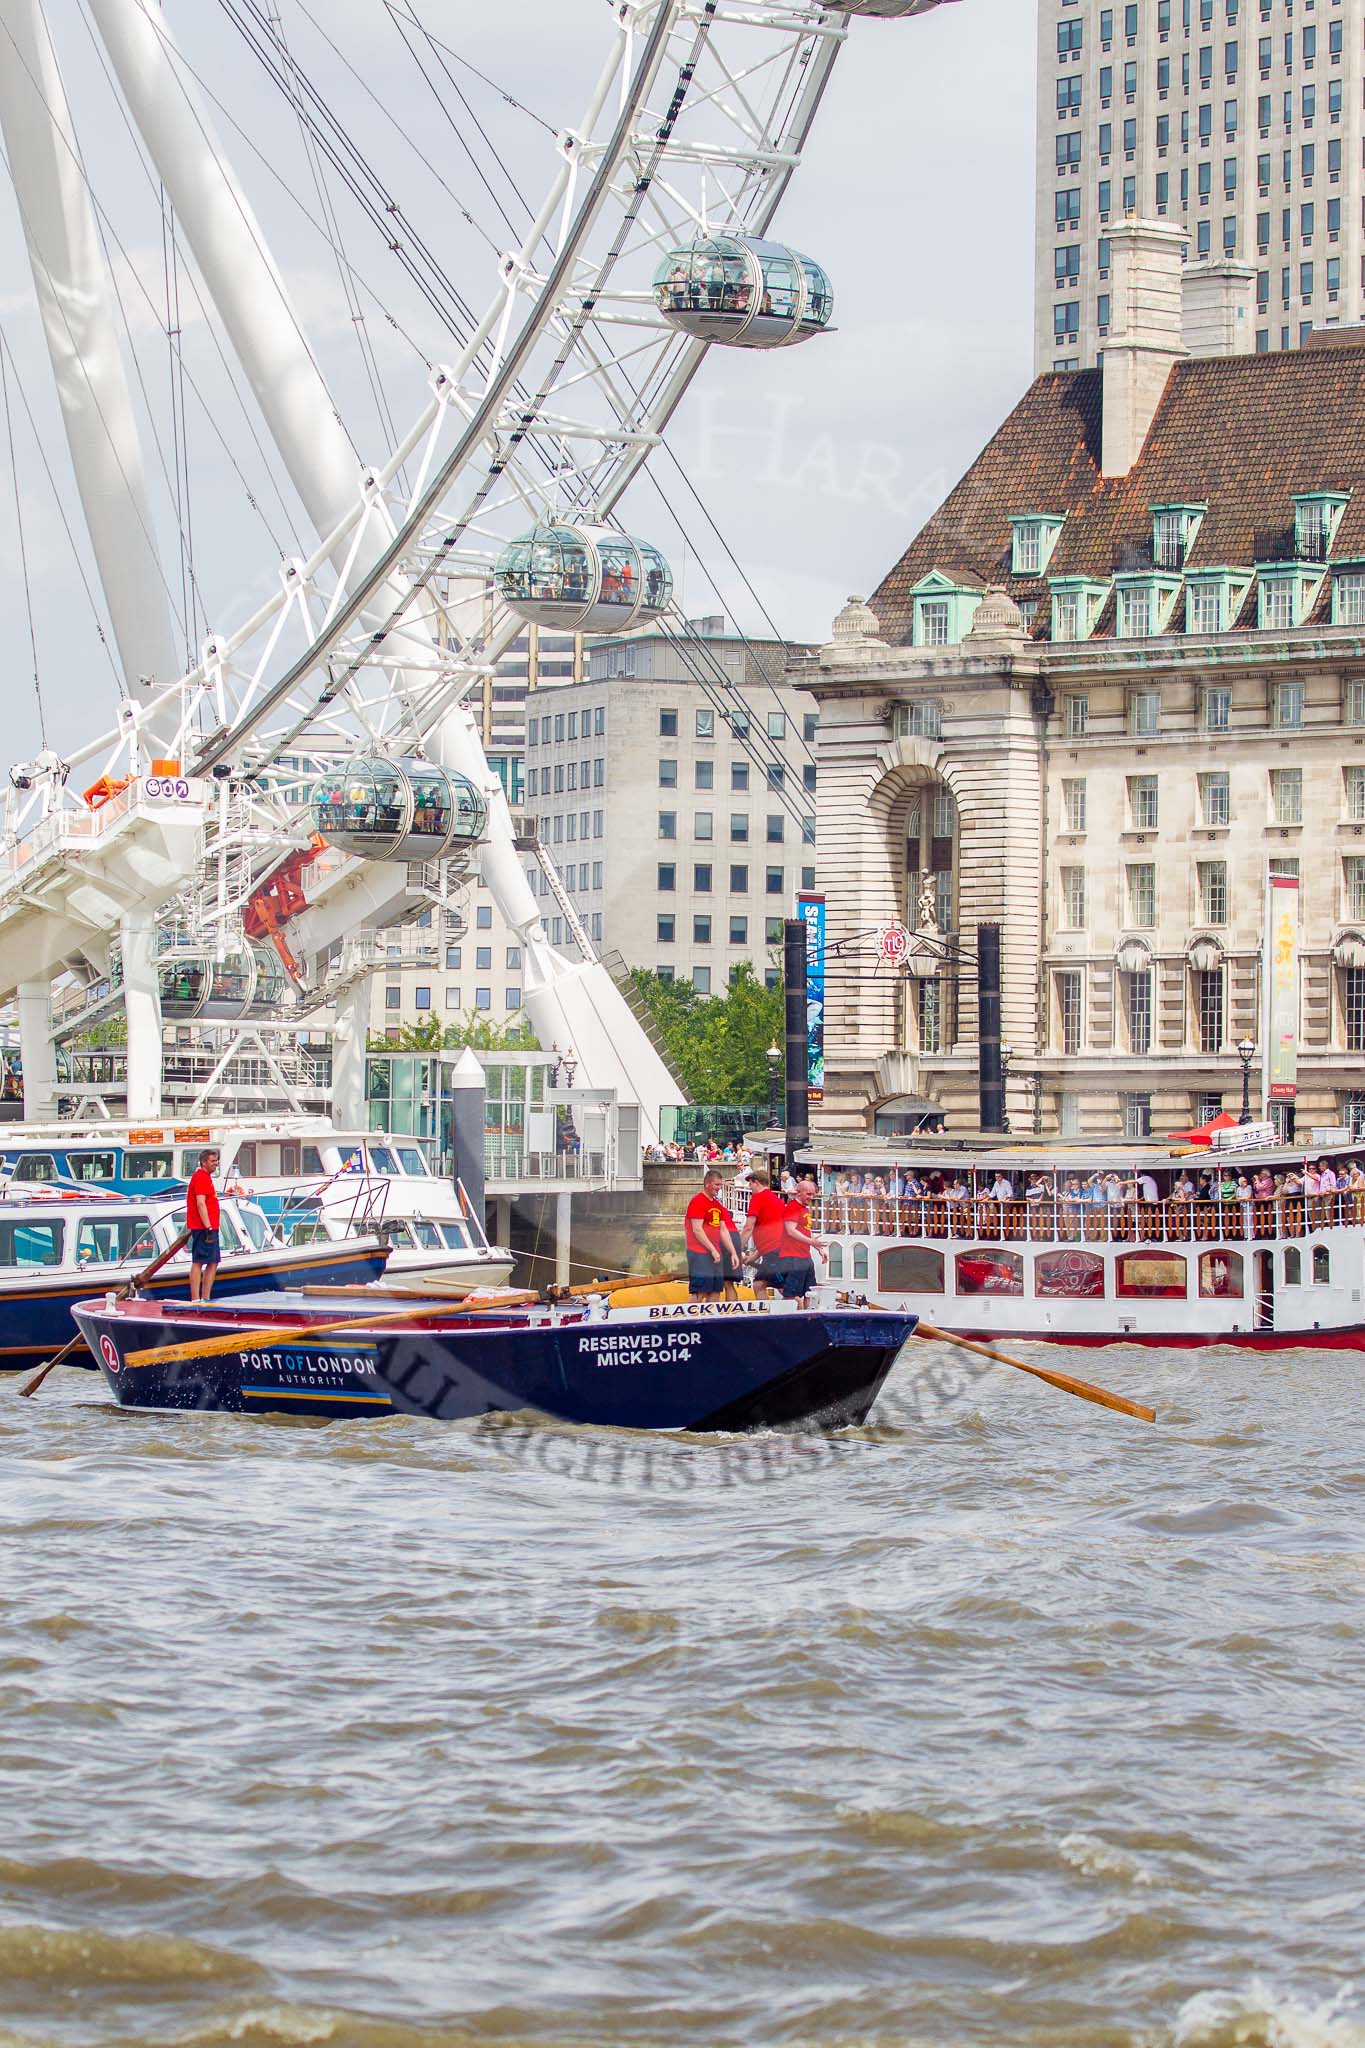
(860, 1262)
(910, 1269)
(1069, 1276)
(990, 1272)
(1322, 1266)
(1220, 1276)
(1293, 1266)
(1153, 1275)
(836, 1260)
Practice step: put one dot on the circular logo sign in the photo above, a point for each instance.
(893, 944)
(173, 786)
(109, 1353)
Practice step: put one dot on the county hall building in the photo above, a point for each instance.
(1116, 681)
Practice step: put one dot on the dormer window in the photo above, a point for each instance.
(1213, 599)
(1076, 605)
(1317, 515)
(1144, 605)
(1035, 537)
(1287, 595)
(943, 609)
(1348, 594)
(1174, 529)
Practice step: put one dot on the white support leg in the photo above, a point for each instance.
(38, 1051)
(563, 1237)
(76, 300)
(142, 1008)
(350, 1034)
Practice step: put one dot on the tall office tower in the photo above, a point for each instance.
(1239, 121)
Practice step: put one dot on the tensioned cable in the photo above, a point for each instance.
(23, 554)
(7, 353)
(454, 126)
(334, 237)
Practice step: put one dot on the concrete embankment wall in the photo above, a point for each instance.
(640, 1231)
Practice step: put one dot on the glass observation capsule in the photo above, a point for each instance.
(583, 579)
(742, 292)
(398, 810)
(889, 10)
(195, 984)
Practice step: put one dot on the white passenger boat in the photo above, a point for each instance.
(315, 1184)
(1076, 1262)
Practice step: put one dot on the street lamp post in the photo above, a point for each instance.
(1006, 1055)
(774, 1061)
(1246, 1053)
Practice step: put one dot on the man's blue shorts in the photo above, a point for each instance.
(204, 1248)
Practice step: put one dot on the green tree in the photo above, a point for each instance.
(717, 1045)
(484, 1033)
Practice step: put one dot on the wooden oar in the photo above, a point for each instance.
(1081, 1388)
(121, 1294)
(266, 1339)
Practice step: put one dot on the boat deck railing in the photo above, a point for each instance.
(1056, 1221)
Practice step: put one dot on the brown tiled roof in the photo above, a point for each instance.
(1240, 433)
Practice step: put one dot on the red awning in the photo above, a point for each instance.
(1204, 1134)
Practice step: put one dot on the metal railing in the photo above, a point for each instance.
(1054, 1221)
(516, 1162)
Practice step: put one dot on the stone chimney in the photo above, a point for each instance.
(1219, 299)
(1146, 333)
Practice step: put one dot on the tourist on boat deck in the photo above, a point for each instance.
(761, 1239)
(799, 1245)
(201, 1220)
(712, 1240)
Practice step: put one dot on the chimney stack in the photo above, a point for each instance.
(1146, 333)
(1219, 298)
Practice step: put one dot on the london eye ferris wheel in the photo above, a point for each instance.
(656, 240)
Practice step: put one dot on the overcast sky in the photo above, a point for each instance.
(818, 464)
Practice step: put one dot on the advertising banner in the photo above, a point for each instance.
(811, 910)
(1281, 1005)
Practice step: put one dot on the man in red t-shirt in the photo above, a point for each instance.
(762, 1239)
(799, 1244)
(201, 1220)
(712, 1241)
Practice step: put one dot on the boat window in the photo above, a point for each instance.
(106, 1240)
(30, 1244)
(411, 1160)
(399, 1234)
(1293, 1266)
(245, 1160)
(1154, 1275)
(36, 1166)
(229, 1236)
(1220, 1276)
(455, 1236)
(149, 1165)
(1069, 1276)
(910, 1269)
(312, 1159)
(427, 1234)
(253, 1223)
(990, 1272)
(860, 1262)
(382, 1160)
(836, 1261)
(289, 1159)
(1322, 1266)
(308, 1230)
(90, 1166)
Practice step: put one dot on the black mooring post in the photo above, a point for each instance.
(798, 1037)
(990, 1074)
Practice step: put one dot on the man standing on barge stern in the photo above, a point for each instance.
(711, 1237)
(201, 1220)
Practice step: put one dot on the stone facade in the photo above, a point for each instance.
(1159, 702)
